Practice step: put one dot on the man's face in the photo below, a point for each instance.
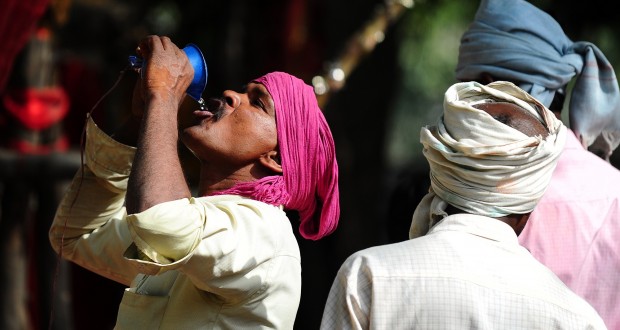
(235, 129)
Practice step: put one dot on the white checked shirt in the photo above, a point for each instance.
(468, 272)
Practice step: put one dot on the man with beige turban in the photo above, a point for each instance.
(491, 156)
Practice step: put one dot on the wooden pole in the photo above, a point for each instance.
(361, 43)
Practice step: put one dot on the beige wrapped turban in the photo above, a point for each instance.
(481, 165)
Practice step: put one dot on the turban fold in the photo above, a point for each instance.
(481, 165)
(515, 41)
(309, 180)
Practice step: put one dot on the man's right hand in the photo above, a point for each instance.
(168, 72)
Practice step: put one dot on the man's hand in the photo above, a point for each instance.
(167, 73)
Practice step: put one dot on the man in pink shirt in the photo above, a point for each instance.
(574, 228)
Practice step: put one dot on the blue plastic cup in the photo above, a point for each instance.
(196, 59)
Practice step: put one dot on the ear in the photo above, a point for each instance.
(271, 161)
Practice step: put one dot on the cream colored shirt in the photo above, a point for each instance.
(220, 262)
(468, 272)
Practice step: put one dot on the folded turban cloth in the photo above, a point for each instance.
(309, 180)
(481, 165)
(513, 40)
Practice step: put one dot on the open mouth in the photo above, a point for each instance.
(203, 114)
(213, 110)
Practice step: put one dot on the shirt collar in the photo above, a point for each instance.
(478, 225)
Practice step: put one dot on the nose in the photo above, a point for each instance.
(233, 99)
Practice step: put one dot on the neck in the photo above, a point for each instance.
(213, 179)
(516, 221)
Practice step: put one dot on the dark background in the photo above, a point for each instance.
(375, 117)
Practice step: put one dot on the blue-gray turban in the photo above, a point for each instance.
(515, 41)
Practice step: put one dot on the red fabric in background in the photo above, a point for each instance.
(18, 19)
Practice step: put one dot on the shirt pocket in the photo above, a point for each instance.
(139, 311)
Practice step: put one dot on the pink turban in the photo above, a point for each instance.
(309, 183)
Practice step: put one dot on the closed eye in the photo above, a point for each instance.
(255, 99)
(259, 103)
(259, 98)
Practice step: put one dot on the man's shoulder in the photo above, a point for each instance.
(256, 216)
(235, 200)
(580, 170)
(392, 256)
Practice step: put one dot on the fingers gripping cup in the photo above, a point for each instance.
(197, 60)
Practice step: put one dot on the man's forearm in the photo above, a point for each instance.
(157, 175)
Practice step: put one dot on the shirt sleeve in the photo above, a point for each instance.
(349, 300)
(89, 227)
